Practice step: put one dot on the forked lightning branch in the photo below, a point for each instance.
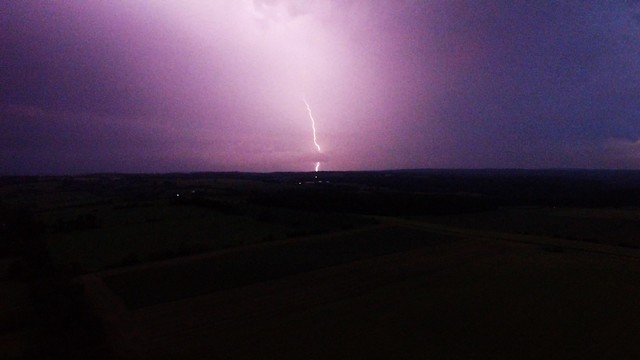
(313, 127)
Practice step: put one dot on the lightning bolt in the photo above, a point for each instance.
(313, 127)
(313, 124)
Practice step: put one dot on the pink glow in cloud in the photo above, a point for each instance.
(206, 85)
(255, 59)
(233, 73)
(274, 52)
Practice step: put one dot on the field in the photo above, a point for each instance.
(201, 275)
(415, 264)
(599, 225)
(451, 297)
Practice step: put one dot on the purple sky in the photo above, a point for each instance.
(218, 85)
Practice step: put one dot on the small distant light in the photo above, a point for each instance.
(177, 194)
(299, 183)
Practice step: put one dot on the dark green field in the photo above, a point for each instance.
(404, 264)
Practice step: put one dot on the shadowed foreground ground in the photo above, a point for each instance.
(442, 294)
(394, 264)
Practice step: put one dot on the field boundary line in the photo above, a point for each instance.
(235, 249)
(516, 238)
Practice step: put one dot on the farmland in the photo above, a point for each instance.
(452, 296)
(346, 265)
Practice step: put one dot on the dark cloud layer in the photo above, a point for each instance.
(91, 86)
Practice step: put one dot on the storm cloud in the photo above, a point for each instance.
(145, 86)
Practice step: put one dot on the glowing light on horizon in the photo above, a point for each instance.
(313, 127)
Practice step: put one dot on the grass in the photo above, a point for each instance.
(148, 286)
(142, 234)
(615, 227)
(465, 299)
